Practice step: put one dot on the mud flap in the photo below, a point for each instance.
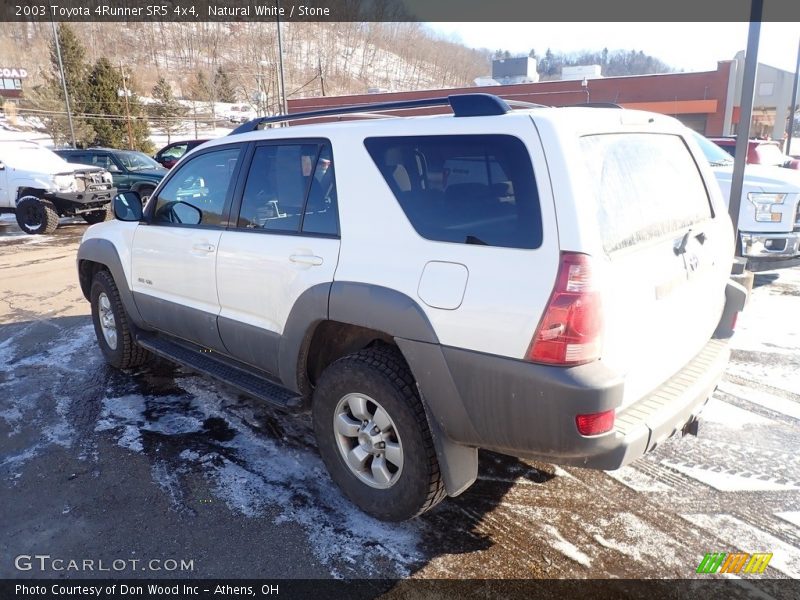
(458, 464)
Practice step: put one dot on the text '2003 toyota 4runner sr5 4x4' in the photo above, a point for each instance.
(550, 283)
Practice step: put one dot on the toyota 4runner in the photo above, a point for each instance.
(550, 283)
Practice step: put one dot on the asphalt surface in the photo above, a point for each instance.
(160, 464)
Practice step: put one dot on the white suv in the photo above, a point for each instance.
(550, 283)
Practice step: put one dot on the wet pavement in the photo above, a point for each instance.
(163, 464)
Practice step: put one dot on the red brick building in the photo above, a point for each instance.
(703, 100)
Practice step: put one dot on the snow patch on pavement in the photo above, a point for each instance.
(726, 481)
(723, 413)
(792, 517)
(637, 481)
(566, 548)
(769, 401)
(259, 475)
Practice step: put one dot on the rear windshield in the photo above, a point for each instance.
(469, 189)
(647, 186)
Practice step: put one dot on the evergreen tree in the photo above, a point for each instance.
(223, 86)
(50, 96)
(167, 112)
(201, 88)
(104, 94)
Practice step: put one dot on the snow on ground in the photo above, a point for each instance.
(203, 428)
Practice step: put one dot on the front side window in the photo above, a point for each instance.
(468, 189)
(289, 187)
(196, 194)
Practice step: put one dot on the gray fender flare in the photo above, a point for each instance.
(399, 316)
(103, 252)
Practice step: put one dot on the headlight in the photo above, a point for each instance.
(65, 183)
(767, 206)
(107, 177)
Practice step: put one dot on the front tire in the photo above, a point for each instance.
(145, 192)
(112, 326)
(36, 215)
(373, 435)
(98, 216)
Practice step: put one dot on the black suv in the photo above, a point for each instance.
(130, 170)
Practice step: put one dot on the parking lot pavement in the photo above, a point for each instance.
(163, 464)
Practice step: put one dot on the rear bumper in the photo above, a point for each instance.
(529, 410)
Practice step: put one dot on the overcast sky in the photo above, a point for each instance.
(687, 46)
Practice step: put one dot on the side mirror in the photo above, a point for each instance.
(127, 206)
(2, 166)
(185, 213)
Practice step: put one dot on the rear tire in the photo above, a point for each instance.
(112, 326)
(36, 215)
(366, 406)
(103, 214)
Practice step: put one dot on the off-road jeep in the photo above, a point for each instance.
(550, 283)
(39, 187)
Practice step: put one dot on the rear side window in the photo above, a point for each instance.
(647, 186)
(469, 189)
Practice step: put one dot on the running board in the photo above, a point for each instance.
(204, 362)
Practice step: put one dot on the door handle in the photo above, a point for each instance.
(204, 247)
(306, 259)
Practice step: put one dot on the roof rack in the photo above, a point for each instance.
(463, 105)
(595, 105)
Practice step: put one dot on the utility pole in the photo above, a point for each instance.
(321, 75)
(793, 105)
(127, 106)
(746, 103)
(64, 83)
(284, 110)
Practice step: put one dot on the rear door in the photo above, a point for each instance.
(284, 241)
(667, 254)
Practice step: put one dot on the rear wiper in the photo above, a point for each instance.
(681, 248)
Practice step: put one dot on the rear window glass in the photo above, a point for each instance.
(647, 186)
(469, 189)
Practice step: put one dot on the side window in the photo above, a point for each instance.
(321, 215)
(277, 185)
(468, 189)
(197, 192)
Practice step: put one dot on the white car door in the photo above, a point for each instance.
(284, 241)
(175, 253)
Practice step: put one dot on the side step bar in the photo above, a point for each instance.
(205, 362)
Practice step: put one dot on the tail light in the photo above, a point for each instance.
(570, 330)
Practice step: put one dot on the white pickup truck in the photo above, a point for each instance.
(769, 217)
(38, 186)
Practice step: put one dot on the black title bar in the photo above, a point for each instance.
(396, 10)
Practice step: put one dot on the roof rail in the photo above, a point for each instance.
(595, 105)
(463, 105)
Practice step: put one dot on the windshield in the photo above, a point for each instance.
(32, 157)
(137, 161)
(713, 153)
